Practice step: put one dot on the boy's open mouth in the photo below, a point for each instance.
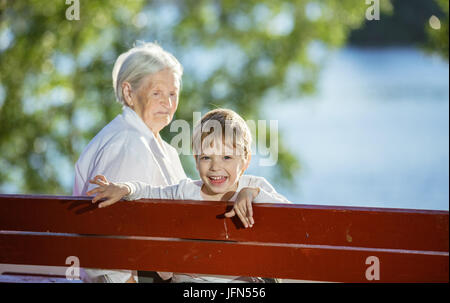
(217, 180)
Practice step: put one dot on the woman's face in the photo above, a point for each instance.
(156, 99)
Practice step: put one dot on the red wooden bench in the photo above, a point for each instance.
(307, 242)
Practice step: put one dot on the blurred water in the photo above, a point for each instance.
(376, 133)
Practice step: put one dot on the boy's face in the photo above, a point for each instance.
(220, 169)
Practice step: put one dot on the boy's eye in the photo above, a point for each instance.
(204, 158)
(227, 157)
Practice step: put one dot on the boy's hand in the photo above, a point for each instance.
(113, 192)
(243, 206)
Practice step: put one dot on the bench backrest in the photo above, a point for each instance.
(307, 242)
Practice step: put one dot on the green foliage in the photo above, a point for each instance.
(55, 74)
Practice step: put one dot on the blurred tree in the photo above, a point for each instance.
(55, 74)
(437, 31)
(408, 24)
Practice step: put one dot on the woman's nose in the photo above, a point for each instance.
(167, 101)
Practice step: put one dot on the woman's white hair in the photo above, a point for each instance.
(143, 59)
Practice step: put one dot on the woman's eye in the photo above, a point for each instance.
(155, 93)
(204, 158)
(227, 157)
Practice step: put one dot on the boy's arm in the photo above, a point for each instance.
(270, 197)
(113, 192)
(140, 190)
(258, 191)
(110, 191)
(267, 193)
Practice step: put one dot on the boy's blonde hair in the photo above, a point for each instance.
(223, 124)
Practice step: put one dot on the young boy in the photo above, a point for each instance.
(221, 146)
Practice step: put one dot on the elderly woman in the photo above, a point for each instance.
(147, 82)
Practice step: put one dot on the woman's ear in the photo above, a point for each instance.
(126, 92)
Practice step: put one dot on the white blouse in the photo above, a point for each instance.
(126, 150)
(191, 190)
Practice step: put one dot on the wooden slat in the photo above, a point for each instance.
(340, 264)
(301, 224)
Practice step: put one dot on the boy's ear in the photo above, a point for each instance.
(247, 163)
(196, 162)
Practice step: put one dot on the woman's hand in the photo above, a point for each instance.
(243, 206)
(113, 192)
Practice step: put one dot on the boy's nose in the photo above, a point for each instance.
(215, 165)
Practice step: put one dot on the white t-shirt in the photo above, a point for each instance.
(125, 150)
(189, 189)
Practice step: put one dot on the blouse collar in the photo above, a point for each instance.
(133, 119)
